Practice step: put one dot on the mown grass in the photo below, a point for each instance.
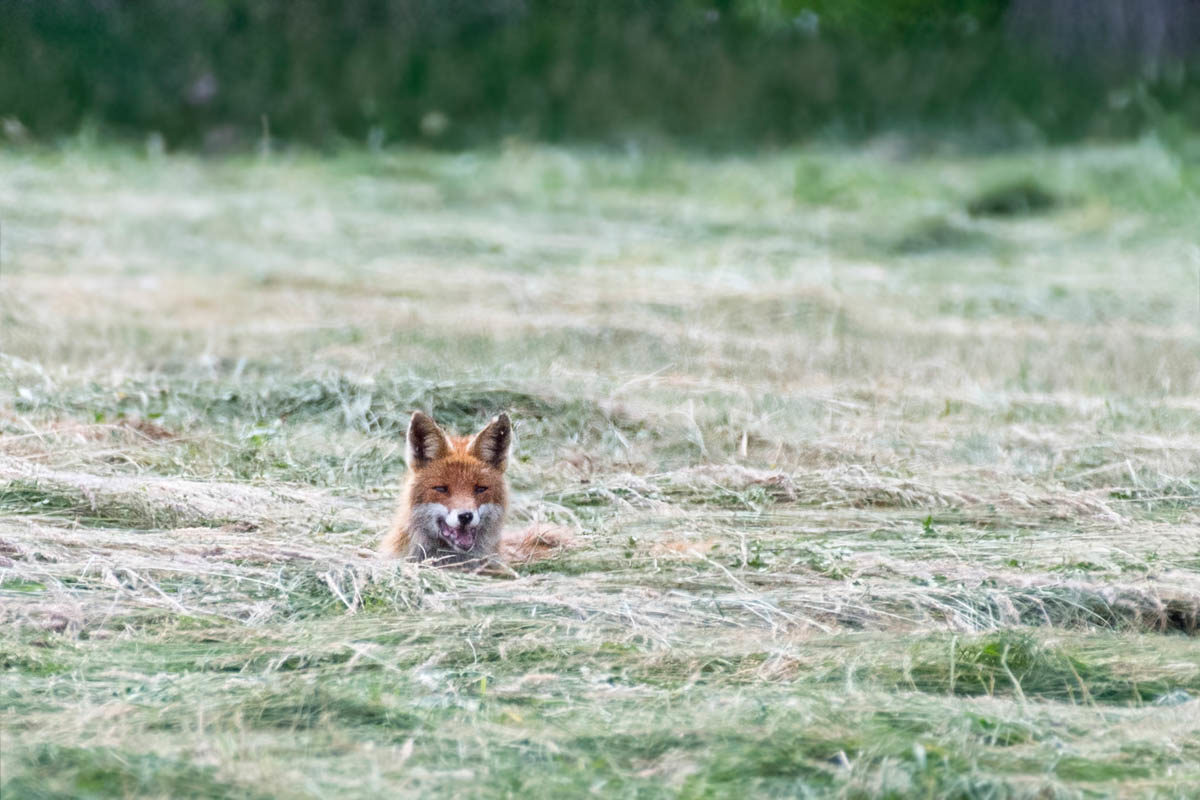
(881, 473)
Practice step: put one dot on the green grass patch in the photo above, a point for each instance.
(50, 771)
(1019, 664)
(936, 234)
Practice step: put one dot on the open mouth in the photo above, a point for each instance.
(461, 539)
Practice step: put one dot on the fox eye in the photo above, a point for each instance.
(441, 489)
(480, 489)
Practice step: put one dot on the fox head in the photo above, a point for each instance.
(457, 496)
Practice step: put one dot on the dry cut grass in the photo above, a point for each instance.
(875, 487)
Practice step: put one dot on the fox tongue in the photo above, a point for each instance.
(461, 538)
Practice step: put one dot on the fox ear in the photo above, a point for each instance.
(491, 444)
(426, 441)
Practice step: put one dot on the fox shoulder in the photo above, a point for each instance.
(397, 540)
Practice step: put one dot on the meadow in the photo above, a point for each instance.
(882, 470)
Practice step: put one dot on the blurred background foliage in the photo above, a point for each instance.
(216, 74)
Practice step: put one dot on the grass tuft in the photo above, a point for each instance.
(1014, 198)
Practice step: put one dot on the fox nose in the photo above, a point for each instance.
(465, 517)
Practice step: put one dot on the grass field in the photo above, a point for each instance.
(883, 471)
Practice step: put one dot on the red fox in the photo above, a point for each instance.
(455, 495)
(455, 498)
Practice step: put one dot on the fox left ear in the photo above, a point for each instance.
(491, 445)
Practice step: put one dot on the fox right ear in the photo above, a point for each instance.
(426, 441)
(491, 445)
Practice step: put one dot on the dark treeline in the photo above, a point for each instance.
(726, 73)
